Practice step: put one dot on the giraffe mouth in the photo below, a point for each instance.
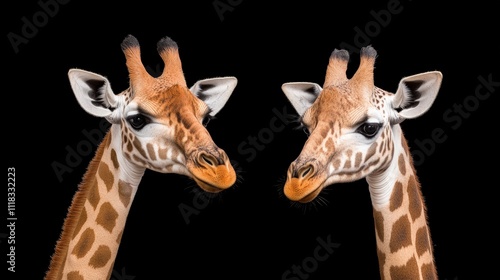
(311, 196)
(207, 186)
(213, 178)
(303, 191)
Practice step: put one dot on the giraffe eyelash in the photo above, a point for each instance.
(304, 129)
(206, 119)
(300, 125)
(138, 121)
(369, 129)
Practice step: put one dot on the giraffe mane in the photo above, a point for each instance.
(72, 219)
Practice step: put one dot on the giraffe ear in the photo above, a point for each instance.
(301, 94)
(415, 94)
(93, 92)
(214, 92)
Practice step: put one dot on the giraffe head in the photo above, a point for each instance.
(161, 118)
(351, 123)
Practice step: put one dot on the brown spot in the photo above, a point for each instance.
(381, 148)
(400, 234)
(129, 147)
(106, 175)
(396, 196)
(371, 151)
(139, 160)
(185, 122)
(114, 159)
(94, 196)
(180, 135)
(81, 221)
(347, 164)
(336, 164)
(119, 237)
(428, 271)
(387, 134)
(74, 275)
(422, 242)
(405, 145)
(381, 262)
(329, 145)
(324, 132)
(125, 192)
(107, 216)
(84, 244)
(169, 168)
(414, 196)
(175, 154)
(349, 153)
(379, 224)
(151, 151)
(408, 271)
(357, 161)
(162, 153)
(100, 257)
(138, 147)
(402, 164)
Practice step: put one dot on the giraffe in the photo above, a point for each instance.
(355, 133)
(156, 124)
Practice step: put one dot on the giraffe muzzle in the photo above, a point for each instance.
(304, 182)
(212, 170)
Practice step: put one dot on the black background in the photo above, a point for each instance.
(251, 231)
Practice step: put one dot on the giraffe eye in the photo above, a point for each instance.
(138, 121)
(306, 131)
(369, 129)
(206, 120)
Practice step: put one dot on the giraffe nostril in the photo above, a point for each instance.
(304, 171)
(207, 159)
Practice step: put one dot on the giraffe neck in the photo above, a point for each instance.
(96, 218)
(404, 246)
